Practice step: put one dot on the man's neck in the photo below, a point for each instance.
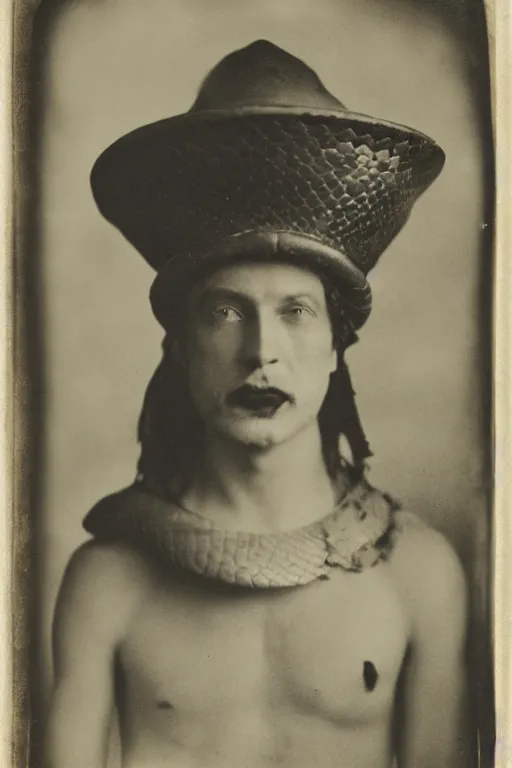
(280, 488)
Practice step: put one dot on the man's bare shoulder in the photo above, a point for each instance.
(108, 569)
(421, 550)
(102, 587)
(428, 573)
(113, 559)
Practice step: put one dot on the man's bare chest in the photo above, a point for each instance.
(333, 648)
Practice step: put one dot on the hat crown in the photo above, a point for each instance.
(266, 161)
(263, 75)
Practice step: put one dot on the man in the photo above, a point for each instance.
(251, 600)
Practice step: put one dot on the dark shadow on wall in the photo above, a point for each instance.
(466, 20)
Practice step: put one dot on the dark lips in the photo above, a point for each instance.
(266, 400)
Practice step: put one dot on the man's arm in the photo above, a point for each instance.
(93, 607)
(432, 711)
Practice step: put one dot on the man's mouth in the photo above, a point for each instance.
(261, 401)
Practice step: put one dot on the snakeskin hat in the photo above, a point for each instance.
(266, 164)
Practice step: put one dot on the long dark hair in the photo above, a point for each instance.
(170, 431)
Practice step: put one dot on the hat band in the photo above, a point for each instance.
(265, 246)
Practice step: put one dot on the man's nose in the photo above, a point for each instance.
(263, 341)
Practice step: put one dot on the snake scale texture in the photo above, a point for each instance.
(358, 534)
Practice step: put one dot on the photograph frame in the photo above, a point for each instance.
(19, 448)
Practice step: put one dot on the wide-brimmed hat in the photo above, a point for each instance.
(266, 164)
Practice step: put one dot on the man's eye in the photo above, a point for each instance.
(297, 314)
(226, 315)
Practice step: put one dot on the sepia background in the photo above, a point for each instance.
(105, 67)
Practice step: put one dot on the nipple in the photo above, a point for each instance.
(164, 704)
(370, 676)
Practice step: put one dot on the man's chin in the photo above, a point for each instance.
(257, 433)
(258, 439)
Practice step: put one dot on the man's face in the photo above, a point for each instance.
(258, 350)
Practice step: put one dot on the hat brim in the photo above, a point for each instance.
(184, 189)
(357, 120)
(178, 275)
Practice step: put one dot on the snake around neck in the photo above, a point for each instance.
(359, 533)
